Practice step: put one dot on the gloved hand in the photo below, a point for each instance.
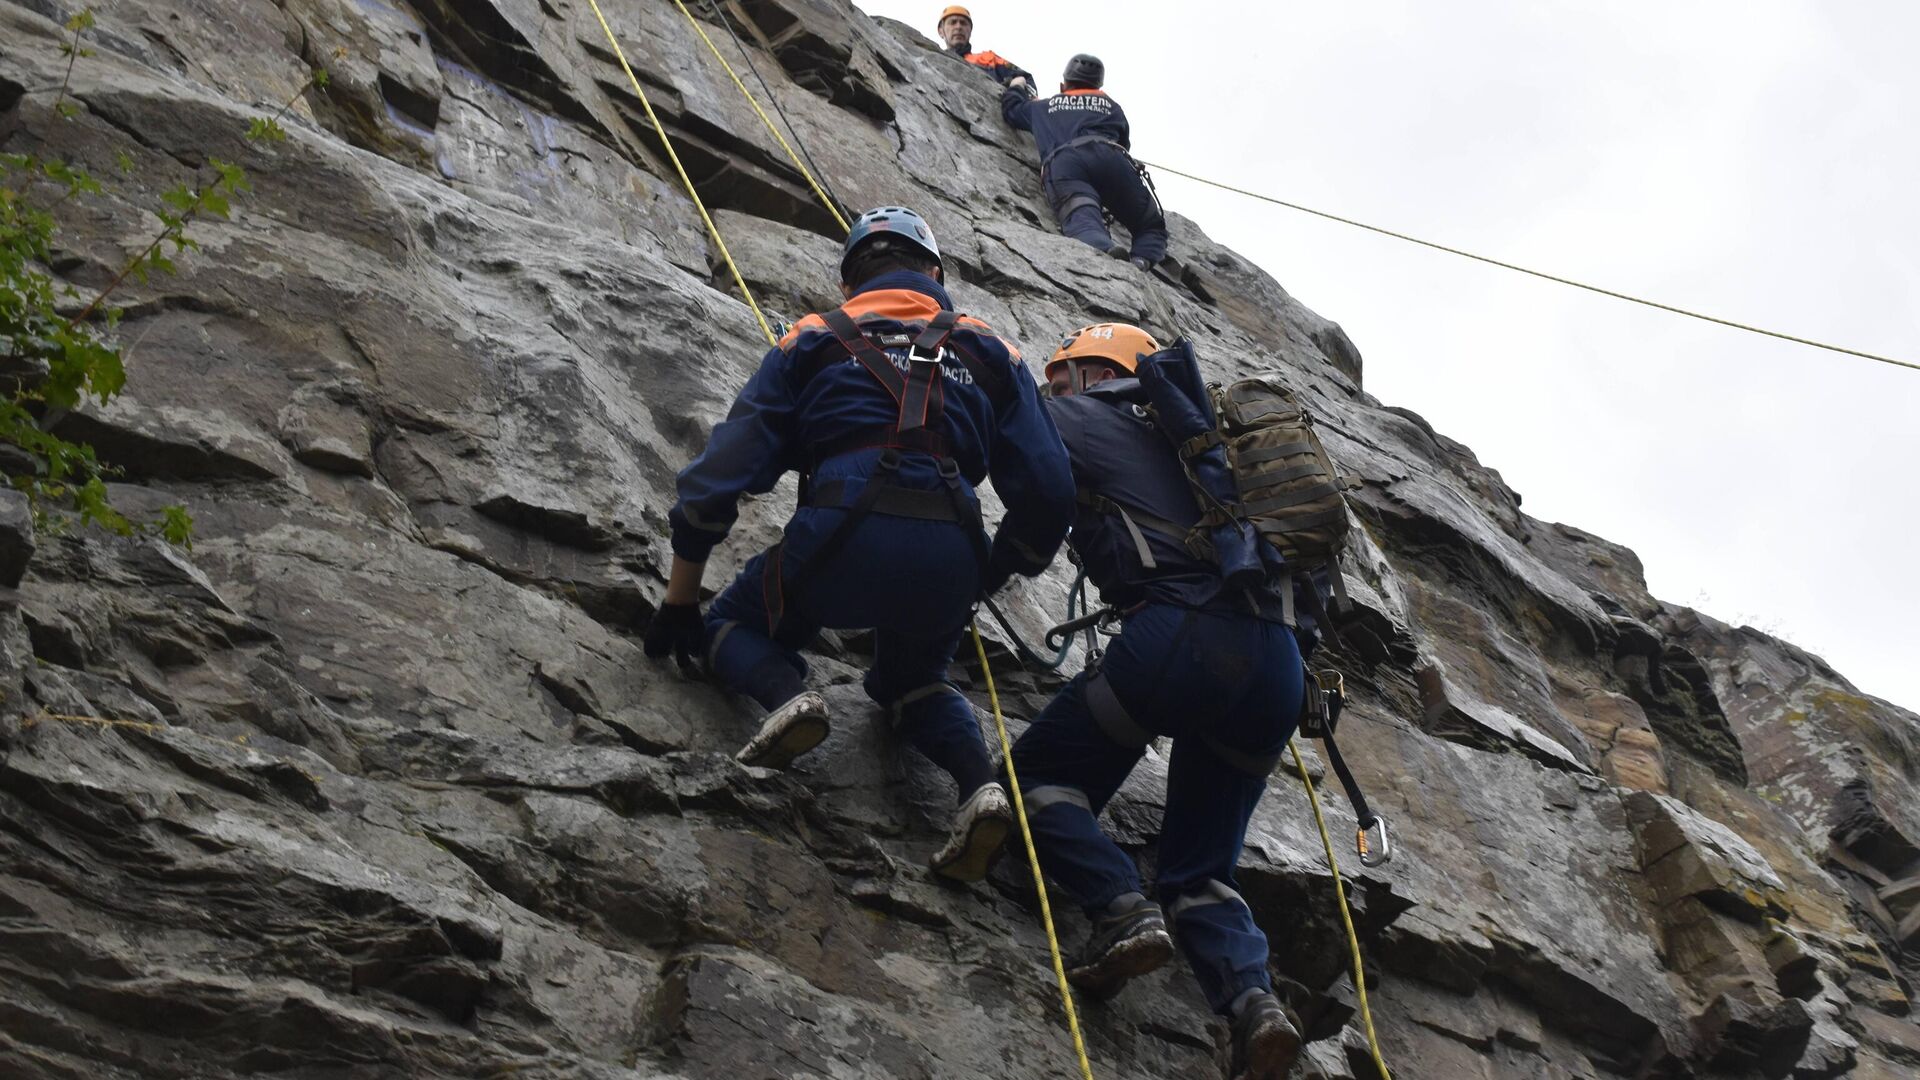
(676, 628)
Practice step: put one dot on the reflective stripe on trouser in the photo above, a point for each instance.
(898, 575)
(1215, 930)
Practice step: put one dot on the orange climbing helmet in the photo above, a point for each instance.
(1118, 344)
(952, 10)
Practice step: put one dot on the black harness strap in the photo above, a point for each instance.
(924, 397)
(876, 362)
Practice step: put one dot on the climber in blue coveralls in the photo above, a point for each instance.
(1216, 668)
(1086, 163)
(892, 407)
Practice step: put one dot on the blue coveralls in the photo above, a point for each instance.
(1220, 674)
(912, 580)
(1084, 145)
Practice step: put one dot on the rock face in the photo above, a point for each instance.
(375, 782)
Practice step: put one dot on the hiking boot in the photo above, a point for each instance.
(1118, 251)
(1130, 939)
(790, 730)
(1265, 1043)
(1141, 263)
(980, 826)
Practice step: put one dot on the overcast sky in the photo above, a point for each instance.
(1758, 160)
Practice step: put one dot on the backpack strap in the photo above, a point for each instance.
(1134, 521)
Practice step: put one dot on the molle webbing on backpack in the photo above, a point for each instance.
(1289, 489)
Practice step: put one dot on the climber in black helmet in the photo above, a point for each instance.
(1086, 163)
(1217, 669)
(893, 407)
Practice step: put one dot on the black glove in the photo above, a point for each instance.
(676, 628)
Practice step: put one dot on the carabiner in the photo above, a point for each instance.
(1368, 856)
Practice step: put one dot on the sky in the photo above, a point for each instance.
(1755, 160)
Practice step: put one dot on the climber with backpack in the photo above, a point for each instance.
(1086, 163)
(892, 408)
(1209, 653)
(956, 32)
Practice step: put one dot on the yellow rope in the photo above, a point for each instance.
(1535, 273)
(1346, 919)
(1033, 859)
(781, 139)
(682, 170)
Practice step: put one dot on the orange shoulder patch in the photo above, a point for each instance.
(805, 323)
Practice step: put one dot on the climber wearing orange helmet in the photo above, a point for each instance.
(956, 33)
(1217, 669)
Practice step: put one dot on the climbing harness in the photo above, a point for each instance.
(1346, 917)
(920, 396)
(1537, 273)
(1033, 858)
(833, 196)
(712, 229)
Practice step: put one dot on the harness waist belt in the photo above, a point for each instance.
(1084, 140)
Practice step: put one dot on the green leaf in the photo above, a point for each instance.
(321, 78)
(67, 110)
(82, 22)
(124, 161)
(176, 525)
(180, 198)
(231, 176)
(266, 129)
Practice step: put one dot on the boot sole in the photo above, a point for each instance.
(805, 734)
(1130, 959)
(1270, 1055)
(984, 841)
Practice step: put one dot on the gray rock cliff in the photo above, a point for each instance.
(374, 781)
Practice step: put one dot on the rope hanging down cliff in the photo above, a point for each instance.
(712, 229)
(779, 138)
(1033, 856)
(1536, 273)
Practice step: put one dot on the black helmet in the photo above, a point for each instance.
(1085, 70)
(889, 221)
